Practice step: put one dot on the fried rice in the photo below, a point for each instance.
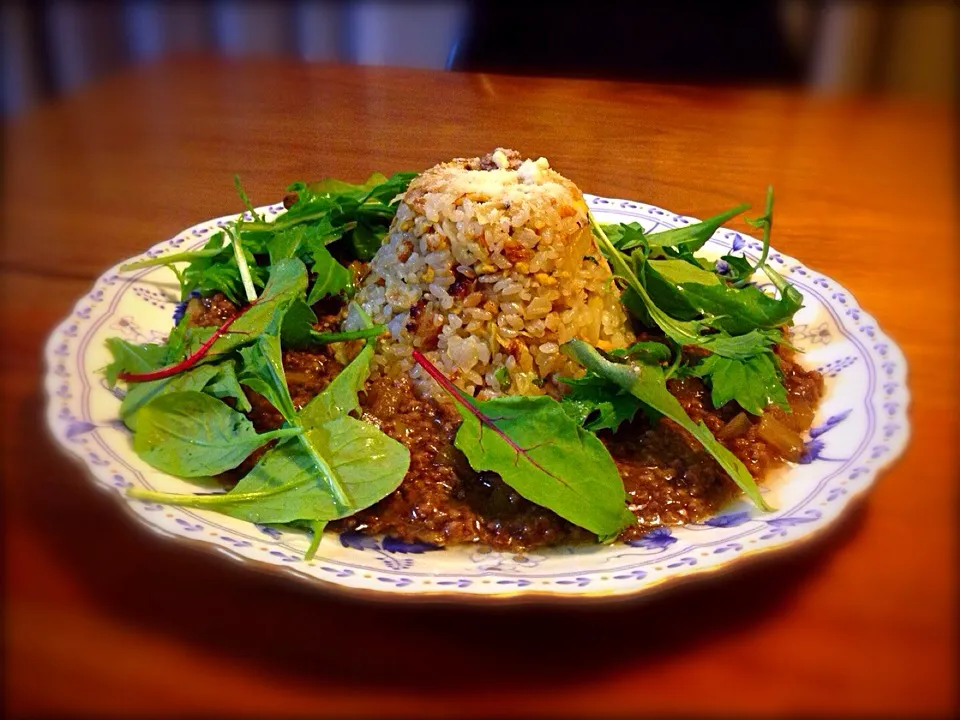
(488, 268)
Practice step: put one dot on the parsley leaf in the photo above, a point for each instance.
(595, 405)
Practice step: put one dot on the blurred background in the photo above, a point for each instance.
(905, 48)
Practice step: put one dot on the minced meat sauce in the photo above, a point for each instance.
(669, 478)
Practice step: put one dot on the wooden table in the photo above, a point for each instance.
(103, 617)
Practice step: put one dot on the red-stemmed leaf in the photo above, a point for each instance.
(541, 452)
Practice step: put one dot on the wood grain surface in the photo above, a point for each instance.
(102, 617)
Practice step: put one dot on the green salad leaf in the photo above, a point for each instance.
(694, 236)
(592, 405)
(330, 466)
(132, 357)
(263, 373)
(354, 216)
(192, 434)
(287, 284)
(218, 380)
(285, 484)
(541, 452)
(739, 310)
(753, 382)
(340, 397)
(297, 329)
(648, 384)
(185, 398)
(332, 278)
(626, 236)
(219, 271)
(740, 347)
(295, 479)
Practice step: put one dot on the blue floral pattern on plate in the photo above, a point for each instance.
(861, 427)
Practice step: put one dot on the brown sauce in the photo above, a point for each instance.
(669, 478)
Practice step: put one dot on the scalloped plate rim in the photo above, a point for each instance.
(803, 537)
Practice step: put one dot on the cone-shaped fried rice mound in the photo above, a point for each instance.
(488, 268)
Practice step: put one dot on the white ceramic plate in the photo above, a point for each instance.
(860, 428)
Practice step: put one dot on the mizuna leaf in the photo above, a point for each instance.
(752, 382)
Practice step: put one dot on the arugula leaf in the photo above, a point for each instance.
(385, 190)
(286, 244)
(739, 270)
(694, 236)
(740, 310)
(543, 454)
(366, 240)
(131, 357)
(676, 271)
(194, 435)
(297, 329)
(625, 236)
(789, 296)
(648, 384)
(332, 277)
(744, 310)
(358, 216)
(596, 404)
(308, 243)
(662, 278)
(217, 270)
(752, 382)
(681, 332)
(340, 202)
